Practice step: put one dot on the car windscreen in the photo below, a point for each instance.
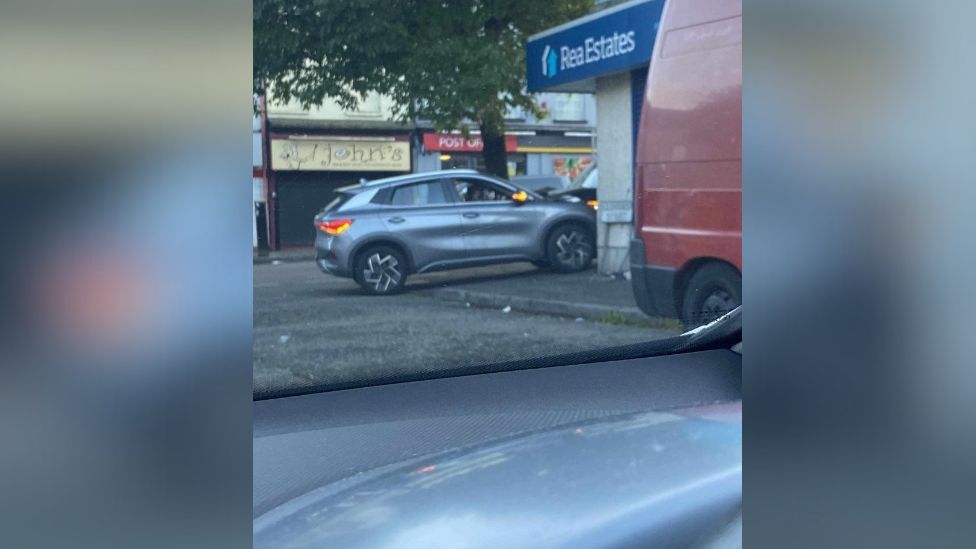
(438, 254)
(584, 178)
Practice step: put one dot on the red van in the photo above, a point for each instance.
(686, 254)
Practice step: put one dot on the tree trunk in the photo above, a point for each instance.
(496, 158)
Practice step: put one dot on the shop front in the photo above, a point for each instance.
(528, 153)
(456, 151)
(308, 169)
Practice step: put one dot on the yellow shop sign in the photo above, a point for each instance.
(340, 154)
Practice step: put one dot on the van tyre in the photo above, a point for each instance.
(714, 289)
(570, 248)
(381, 270)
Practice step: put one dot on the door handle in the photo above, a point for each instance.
(396, 219)
(471, 215)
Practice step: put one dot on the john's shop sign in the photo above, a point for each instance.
(612, 40)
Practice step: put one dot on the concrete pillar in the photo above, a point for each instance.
(615, 161)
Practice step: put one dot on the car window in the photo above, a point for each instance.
(475, 190)
(356, 200)
(592, 179)
(422, 194)
(586, 179)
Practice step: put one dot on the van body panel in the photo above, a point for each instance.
(688, 180)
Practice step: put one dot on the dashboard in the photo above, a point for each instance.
(623, 453)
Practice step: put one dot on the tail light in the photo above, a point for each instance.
(595, 204)
(334, 226)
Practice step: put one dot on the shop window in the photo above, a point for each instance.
(568, 107)
(570, 166)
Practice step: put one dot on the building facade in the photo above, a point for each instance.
(313, 153)
(559, 143)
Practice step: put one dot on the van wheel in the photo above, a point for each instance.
(712, 291)
(569, 249)
(381, 270)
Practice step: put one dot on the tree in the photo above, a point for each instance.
(453, 62)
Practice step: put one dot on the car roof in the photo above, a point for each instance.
(539, 177)
(399, 179)
(420, 176)
(386, 182)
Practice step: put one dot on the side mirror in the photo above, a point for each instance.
(520, 197)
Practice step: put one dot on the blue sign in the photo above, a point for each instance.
(602, 43)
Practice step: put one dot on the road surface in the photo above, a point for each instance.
(314, 329)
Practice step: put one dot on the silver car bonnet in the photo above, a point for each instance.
(643, 480)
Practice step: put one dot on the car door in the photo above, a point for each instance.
(424, 217)
(495, 225)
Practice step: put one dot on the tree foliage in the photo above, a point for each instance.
(447, 61)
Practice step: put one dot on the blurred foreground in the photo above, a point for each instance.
(126, 278)
(860, 427)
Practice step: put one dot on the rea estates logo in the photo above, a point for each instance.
(550, 62)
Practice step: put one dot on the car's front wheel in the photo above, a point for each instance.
(381, 270)
(570, 248)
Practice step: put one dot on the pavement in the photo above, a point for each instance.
(312, 328)
(524, 287)
(287, 255)
(586, 295)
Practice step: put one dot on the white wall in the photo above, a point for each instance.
(374, 107)
(614, 144)
(552, 102)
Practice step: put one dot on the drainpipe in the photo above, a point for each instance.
(272, 198)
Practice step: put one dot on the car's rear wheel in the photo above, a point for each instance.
(570, 248)
(714, 289)
(381, 270)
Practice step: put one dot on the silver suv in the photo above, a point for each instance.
(382, 231)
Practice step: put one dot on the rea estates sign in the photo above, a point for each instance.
(601, 43)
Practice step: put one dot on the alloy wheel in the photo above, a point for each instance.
(382, 272)
(572, 249)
